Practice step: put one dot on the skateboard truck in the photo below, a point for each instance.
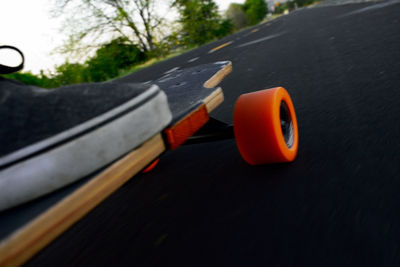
(214, 130)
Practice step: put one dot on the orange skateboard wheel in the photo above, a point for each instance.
(265, 127)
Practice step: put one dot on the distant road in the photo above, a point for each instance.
(346, 2)
(336, 205)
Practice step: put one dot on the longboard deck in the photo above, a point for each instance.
(26, 229)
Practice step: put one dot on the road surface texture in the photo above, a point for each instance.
(336, 205)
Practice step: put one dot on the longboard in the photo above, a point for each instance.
(265, 130)
(192, 94)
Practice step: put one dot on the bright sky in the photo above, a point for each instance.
(27, 24)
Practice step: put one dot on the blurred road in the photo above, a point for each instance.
(336, 205)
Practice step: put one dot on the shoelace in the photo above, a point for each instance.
(7, 69)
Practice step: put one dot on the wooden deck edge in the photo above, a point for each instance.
(219, 76)
(214, 100)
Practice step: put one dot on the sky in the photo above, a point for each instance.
(27, 24)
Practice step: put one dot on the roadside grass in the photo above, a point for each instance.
(152, 62)
(147, 64)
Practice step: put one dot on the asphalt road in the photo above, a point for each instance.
(336, 205)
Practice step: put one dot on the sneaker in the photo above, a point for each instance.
(51, 138)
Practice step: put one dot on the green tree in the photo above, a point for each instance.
(225, 28)
(237, 15)
(200, 21)
(255, 10)
(89, 21)
(107, 63)
(70, 73)
(112, 58)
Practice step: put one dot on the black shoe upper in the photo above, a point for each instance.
(29, 114)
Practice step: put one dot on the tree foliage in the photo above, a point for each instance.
(237, 15)
(255, 10)
(89, 21)
(108, 62)
(111, 58)
(70, 73)
(200, 21)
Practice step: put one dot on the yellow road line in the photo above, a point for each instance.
(219, 47)
(255, 30)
